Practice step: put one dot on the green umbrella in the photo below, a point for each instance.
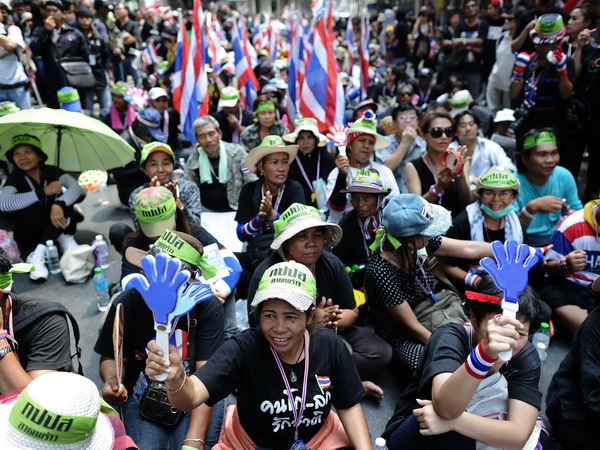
(73, 141)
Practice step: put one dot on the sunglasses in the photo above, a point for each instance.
(405, 94)
(438, 131)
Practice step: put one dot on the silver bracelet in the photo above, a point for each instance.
(195, 440)
(527, 213)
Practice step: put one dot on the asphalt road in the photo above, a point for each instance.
(81, 301)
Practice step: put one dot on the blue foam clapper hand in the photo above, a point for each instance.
(511, 268)
(189, 296)
(163, 277)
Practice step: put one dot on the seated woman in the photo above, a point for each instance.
(398, 278)
(301, 236)
(287, 375)
(426, 176)
(40, 200)
(463, 396)
(156, 211)
(262, 201)
(548, 191)
(572, 402)
(359, 225)
(203, 326)
(313, 163)
(266, 124)
(157, 162)
(483, 152)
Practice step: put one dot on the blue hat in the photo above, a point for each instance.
(151, 118)
(411, 215)
(68, 98)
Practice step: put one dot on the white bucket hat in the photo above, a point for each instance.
(288, 281)
(306, 124)
(57, 411)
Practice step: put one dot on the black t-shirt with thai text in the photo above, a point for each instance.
(245, 363)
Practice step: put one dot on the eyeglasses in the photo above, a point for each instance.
(438, 131)
(408, 118)
(504, 195)
(405, 94)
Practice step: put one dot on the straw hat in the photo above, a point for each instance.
(306, 124)
(269, 145)
(59, 410)
(299, 217)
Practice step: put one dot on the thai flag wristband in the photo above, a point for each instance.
(471, 279)
(478, 364)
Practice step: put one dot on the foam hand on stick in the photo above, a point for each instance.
(510, 273)
(337, 133)
(189, 296)
(159, 288)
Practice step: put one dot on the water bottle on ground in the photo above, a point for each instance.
(380, 444)
(102, 201)
(541, 340)
(101, 252)
(101, 286)
(52, 257)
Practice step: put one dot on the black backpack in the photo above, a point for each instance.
(31, 312)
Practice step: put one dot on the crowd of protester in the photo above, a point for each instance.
(474, 127)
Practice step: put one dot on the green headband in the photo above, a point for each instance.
(381, 236)
(6, 279)
(543, 137)
(265, 105)
(35, 422)
(179, 248)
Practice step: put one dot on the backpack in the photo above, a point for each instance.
(35, 311)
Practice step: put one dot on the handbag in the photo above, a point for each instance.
(78, 72)
(447, 309)
(155, 405)
(77, 263)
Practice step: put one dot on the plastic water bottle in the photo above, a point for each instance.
(101, 252)
(52, 257)
(101, 286)
(541, 340)
(102, 201)
(178, 173)
(380, 444)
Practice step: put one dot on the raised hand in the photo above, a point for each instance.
(159, 285)
(514, 263)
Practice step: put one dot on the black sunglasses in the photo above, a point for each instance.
(405, 94)
(438, 131)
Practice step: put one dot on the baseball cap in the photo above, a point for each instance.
(152, 147)
(504, 115)
(288, 281)
(155, 210)
(229, 97)
(68, 98)
(157, 92)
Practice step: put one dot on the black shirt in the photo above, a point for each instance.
(138, 330)
(472, 60)
(353, 247)
(310, 163)
(445, 352)
(245, 363)
(214, 195)
(130, 27)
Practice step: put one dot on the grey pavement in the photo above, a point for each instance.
(80, 299)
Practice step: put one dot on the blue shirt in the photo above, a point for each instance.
(560, 184)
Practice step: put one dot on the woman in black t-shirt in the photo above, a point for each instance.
(287, 375)
(461, 388)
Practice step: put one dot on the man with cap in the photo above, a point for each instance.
(159, 100)
(121, 114)
(232, 118)
(217, 167)
(543, 81)
(99, 60)
(502, 136)
(521, 35)
(100, 27)
(44, 344)
(206, 318)
(144, 129)
(54, 41)
(424, 89)
(13, 79)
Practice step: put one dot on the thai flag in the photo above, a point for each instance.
(364, 55)
(249, 49)
(181, 66)
(150, 55)
(216, 52)
(322, 93)
(247, 82)
(296, 61)
(324, 382)
(350, 43)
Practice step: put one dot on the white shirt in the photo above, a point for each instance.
(11, 68)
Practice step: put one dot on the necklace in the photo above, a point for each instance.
(293, 377)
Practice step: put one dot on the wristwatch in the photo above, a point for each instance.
(5, 351)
